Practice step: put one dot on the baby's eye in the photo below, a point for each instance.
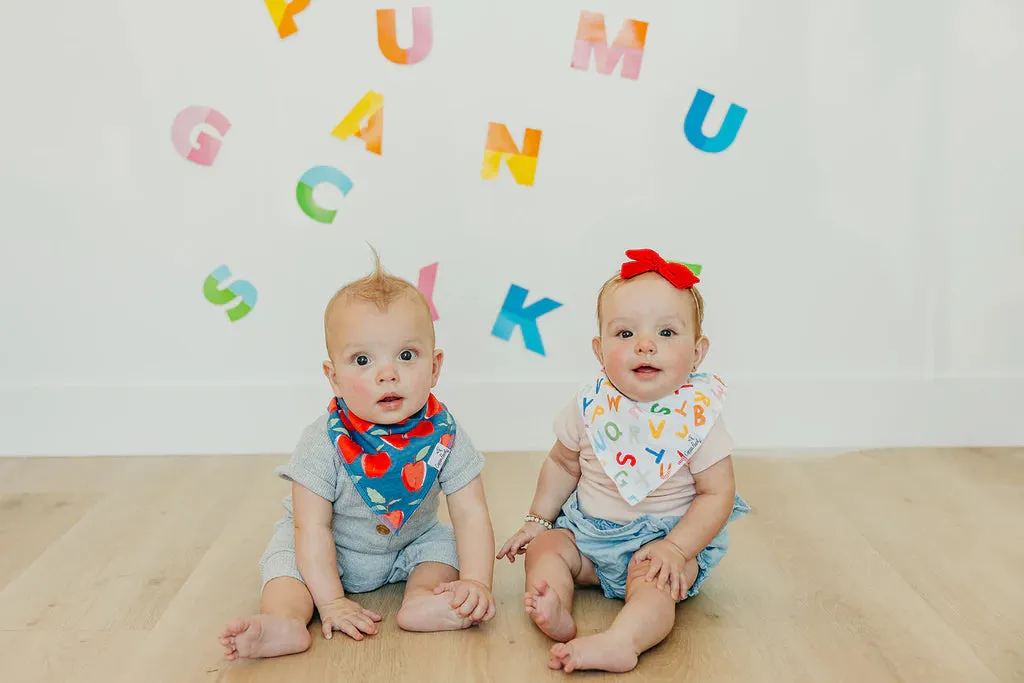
(667, 333)
(407, 355)
(624, 334)
(362, 359)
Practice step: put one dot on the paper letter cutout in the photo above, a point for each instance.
(428, 275)
(207, 147)
(513, 313)
(694, 124)
(500, 145)
(238, 289)
(695, 267)
(372, 107)
(422, 36)
(309, 180)
(283, 13)
(592, 38)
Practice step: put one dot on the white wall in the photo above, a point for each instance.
(861, 240)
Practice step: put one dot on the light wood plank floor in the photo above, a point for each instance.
(875, 566)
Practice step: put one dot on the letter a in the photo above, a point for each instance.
(371, 107)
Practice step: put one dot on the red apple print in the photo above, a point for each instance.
(396, 441)
(413, 474)
(395, 517)
(360, 424)
(376, 464)
(354, 423)
(433, 406)
(422, 429)
(446, 440)
(348, 448)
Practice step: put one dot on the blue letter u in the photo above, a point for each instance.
(694, 124)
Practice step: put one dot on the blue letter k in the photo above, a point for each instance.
(513, 313)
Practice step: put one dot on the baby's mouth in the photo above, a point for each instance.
(389, 399)
(645, 370)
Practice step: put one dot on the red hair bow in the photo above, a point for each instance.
(648, 260)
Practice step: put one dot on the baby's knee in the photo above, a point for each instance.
(637, 569)
(552, 542)
(287, 597)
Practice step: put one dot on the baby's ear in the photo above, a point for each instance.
(435, 370)
(700, 351)
(328, 369)
(595, 344)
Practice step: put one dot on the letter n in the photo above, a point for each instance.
(500, 145)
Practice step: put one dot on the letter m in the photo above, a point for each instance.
(592, 38)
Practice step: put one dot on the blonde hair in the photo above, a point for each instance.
(379, 288)
(616, 281)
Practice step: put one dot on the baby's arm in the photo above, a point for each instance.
(559, 476)
(318, 565)
(315, 552)
(474, 540)
(710, 509)
(705, 517)
(474, 535)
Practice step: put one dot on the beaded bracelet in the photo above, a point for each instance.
(543, 522)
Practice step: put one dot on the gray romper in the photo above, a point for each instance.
(367, 553)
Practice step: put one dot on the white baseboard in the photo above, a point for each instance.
(761, 414)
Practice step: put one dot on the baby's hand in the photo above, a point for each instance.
(472, 599)
(520, 539)
(348, 617)
(667, 562)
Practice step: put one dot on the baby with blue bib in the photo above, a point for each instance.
(638, 488)
(366, 478)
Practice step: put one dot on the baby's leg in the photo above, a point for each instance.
(643, 622)
(553, 566)
(421, 609)
(279, 629)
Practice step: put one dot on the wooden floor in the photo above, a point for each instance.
(864, 567)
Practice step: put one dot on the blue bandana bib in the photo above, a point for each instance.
(393, 466)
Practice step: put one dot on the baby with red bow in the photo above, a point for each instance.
(367, 477)
(638, 488)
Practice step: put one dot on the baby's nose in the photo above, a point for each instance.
(646, 345)
(387, 374)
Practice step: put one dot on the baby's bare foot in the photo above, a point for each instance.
(603, 651)
(431, 613)
(545, 608)
(263, 635)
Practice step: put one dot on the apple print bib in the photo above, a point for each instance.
(640, 445)
(393, 466)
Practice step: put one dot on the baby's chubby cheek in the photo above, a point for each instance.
(360, 390)
(616, 360)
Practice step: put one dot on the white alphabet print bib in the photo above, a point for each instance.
(642, 444)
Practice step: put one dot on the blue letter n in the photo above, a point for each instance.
(513, 313)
